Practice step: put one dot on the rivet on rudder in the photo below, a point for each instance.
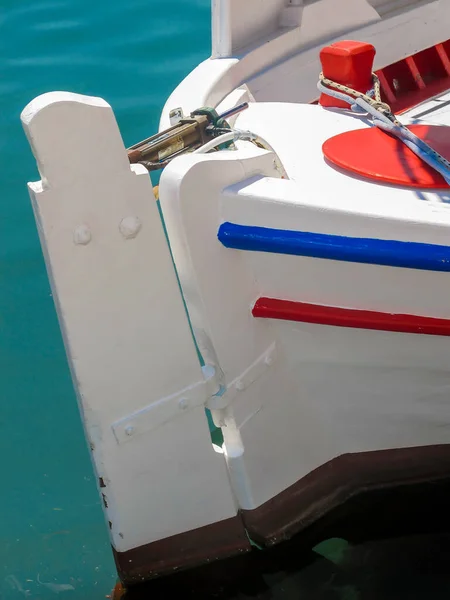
(129, 227)
(82, 235)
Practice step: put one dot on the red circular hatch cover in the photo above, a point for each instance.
(377, 155)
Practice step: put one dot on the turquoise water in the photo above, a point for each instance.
(133, 54)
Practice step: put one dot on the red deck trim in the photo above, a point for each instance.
(429, 75)
(440, 49)
(386, 88)
(272, 308)
(413, 99)
(415, 72)
(416, 78)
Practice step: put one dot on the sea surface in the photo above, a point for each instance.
(53, 537)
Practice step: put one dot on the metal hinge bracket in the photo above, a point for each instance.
(245, 379)
(160, 412)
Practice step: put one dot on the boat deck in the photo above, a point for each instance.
(297, 133)
(435, 111)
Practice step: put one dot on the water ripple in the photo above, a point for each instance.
(56, 25)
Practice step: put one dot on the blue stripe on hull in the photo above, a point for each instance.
(409, 255)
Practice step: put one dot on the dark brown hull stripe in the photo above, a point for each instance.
(292, 511)
(336, 482)
(207, 544)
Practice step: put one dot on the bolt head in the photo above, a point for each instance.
(129, 227)
(82, 235)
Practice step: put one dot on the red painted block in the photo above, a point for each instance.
(349, 63)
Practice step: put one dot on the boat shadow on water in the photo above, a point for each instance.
(388, 544)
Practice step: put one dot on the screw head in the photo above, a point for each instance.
(129, 430)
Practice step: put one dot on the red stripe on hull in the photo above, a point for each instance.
(272, 308)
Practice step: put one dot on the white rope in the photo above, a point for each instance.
(221, 139)
(247, 136)
(383, 118)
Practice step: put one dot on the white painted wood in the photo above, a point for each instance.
(237, 24)
(385, 7)
(326, 386)
(220, 289)
(355, 390)
(352, 392)
(124, 325)
(222, 323)
(291, 14)
(297, 133)
(284, 65)
(340, 205)
(395, 35)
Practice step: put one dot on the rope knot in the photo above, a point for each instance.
(383, 117)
